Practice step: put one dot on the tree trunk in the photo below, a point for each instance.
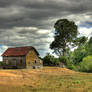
(64, 48)
(64, 52)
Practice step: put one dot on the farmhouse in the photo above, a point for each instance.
(21, 57)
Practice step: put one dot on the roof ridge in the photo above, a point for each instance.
(21, 47)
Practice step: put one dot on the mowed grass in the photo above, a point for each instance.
(48, 79)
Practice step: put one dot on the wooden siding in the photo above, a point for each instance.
(9, 62)
(32, 60)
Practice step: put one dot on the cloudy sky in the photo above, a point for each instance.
(30, 22)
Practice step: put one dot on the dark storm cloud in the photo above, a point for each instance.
(37, 12)
(4, 3)
(30, 22)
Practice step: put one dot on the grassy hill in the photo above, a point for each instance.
(49, 79)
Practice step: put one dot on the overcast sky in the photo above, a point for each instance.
(30, 22)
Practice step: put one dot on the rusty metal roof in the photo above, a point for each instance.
(18, 51)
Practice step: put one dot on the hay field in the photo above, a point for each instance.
(48, 79)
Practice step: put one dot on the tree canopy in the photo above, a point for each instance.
(65, 34)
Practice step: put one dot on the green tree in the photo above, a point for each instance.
(65, 34)
(50, 60)
(81, 41)
(86, 64)
(80, 52)
(63, 59)
(90, 41)
(89, 46)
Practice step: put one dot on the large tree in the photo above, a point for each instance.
(81, 41)
(89, 46)
(65, 34)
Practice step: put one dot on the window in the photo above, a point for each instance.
(34, 67)
(35, 61)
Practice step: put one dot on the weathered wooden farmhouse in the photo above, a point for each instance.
(22, 57)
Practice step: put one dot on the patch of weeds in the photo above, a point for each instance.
(42, 89)
(73, 83)
(90, 80)
(61, 83)
(83, 82)
(34, 89)
(68, 86)
(74, 77)
(76, 82)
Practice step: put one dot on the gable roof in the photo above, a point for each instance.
(18, 51)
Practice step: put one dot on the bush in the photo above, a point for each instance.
(86, 64)
(78, 55)
(63, 59)
(50, 60)
(1, 63)
(72, 67)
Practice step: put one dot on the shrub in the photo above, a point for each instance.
(86, 64)
(63, 59)
(50, 60)
(78, 55)
(1, 63)
(72, 67)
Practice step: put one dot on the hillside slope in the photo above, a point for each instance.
(48, 79)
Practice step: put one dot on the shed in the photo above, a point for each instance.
(22, 57)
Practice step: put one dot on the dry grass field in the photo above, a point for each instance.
(48, 79)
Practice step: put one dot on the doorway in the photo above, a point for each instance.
(34, 67)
